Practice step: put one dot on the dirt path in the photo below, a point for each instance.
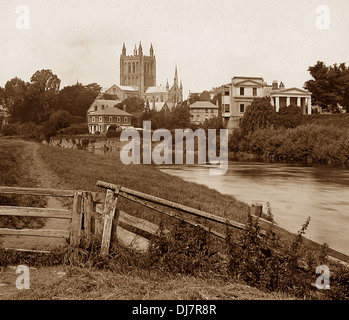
(44, 178)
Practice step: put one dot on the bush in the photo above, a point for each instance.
(75, 129)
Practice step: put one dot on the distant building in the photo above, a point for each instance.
(100, 104)
(203, 110)
(104, 113)
(4, 116)
(239, 94)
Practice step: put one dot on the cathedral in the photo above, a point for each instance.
(138, 78)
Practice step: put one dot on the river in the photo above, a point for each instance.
(295, 192)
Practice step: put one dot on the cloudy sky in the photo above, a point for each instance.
(209, 40)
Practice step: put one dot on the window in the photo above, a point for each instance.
(102, 106)
(125, 119)
(110, 119)
(242, 108)
(226, 108)
(96, 108)
(100, 119)
(93, 119)
(118, 119)
(242, 91)
(226, 93)
(254, 92)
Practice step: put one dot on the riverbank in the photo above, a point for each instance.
(76, 169)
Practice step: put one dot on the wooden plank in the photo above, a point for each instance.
(75, 232)
(35, 233)
(108, 213)
(27, 250)
(132, 240)
(35, 212)
(138, 223)
(37, 191)
(87, 208)
(175, 215)
(263, 223)
(209, 216)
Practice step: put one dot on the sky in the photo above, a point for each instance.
(210, 41)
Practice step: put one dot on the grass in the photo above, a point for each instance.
(79, 169)
(15, 164)
(182, 265)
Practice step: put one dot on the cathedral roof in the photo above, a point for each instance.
(156, 89)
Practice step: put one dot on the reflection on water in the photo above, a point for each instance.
(294, 192)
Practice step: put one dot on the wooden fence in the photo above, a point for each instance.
(97, 213)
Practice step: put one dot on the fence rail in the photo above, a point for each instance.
(97, 213)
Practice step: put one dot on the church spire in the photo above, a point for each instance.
(124, 49)
(140, 50)
(151, 50)
(135, 51)
(176, 77)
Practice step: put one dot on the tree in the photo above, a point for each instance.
(44, 86)
(76, 99)
(329, 86)
(180, 116)
(14, 99)
(259, 114)
(205, 96)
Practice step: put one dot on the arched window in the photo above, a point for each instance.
(129, 67)
(133, 67)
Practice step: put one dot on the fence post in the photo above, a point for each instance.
(108, 213)
(87, 209)
(76, 221)
(256, 209)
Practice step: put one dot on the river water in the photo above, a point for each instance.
(295, 192)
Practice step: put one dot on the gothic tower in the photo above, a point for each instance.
(138, 70)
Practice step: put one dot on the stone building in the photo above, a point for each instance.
(201, 111)
(240, 92)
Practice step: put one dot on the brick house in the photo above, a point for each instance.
(99, 121)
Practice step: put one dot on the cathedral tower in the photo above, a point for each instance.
(138, 70)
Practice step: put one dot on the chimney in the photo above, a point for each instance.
(275, 85)
(124, 107)
(282, 86)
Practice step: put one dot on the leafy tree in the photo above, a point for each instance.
(44, 86)
(329, 86)
(76, 99)
(288, 117)
(108, 96)
(14, 99)
(205, 96)
(260, 114)
(194, 97)
(180, 116)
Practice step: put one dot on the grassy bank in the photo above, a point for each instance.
(15, 170)
(81, 169)
(186, 255)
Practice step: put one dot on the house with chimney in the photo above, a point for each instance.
(104, 113)
(240, 92)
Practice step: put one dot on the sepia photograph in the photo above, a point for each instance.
(175, 156)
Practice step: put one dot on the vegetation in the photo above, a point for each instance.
(329, 86)
(15, 171)
(290, 136)
(185, 254)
